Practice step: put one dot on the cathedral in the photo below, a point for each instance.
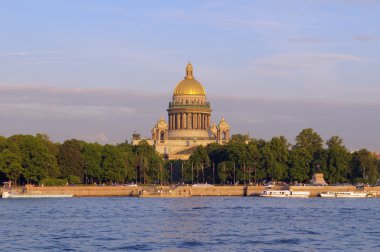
(189, 122)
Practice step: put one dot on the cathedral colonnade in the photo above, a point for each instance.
(189, 121)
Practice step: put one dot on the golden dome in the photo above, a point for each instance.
(189, 85)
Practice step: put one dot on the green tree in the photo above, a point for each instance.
(199, 164)
(127, 150)
(37, 161)
(364, 167)
(70, 158)
(338, 159)
(148, 164)
(226, 172)
(300, 160)
(276, 153)
(92, 154)
(254, 170)
(10, 165)
(311, 142)
(113, 164)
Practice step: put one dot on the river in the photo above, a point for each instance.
(190, 224)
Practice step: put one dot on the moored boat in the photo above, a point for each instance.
(347, 195)
(284, 194)
(14, 195)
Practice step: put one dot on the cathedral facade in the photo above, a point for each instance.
(189, 122)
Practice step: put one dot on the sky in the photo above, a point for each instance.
(100, 70)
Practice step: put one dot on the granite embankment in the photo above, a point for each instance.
(178, 191)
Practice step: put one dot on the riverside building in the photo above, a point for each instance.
(189, 122)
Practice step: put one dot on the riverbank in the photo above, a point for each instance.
(177, 191)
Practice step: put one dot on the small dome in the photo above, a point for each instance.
(189, 85)
(162, 123)
(223, 123)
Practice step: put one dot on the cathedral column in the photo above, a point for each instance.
(170, 121)
(208, 121)
(199, 121)
(189, 121)
(180, 121)
(184, 117)
(204, 121)
(178, 116)
(195, 123)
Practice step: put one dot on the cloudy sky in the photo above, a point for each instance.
(100, 70)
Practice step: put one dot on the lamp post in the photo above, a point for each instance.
(171, 173)
(182, 172)
(192, 174)
(85, 164)
(213, 173)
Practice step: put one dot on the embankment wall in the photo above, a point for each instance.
(100, 191)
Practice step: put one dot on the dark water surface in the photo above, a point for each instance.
(191, 224)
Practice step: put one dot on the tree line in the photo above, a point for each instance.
(37, 160)
(249, 160)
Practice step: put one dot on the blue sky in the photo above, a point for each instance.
(98, 70)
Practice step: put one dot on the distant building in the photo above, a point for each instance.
(189, 122)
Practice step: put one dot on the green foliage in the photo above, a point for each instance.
(113, 164)
(10, 165)
(338, 159)
(73, 180)
(70, 159)
(364, 167)
(200, 163)
(53, 182)
(300, 160)
(92, 155)
(35, 159)
(148, 164)
(276, 156)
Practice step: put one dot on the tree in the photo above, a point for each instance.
(10, 165)
(36, 160)
(148, 164)
(113, 164)
(311, 142)
(70, 158)
(276, 153)
(199, 162)
(364, 167)
(300, 160)
(127, 151)
(92, 154)
(338, 159)
(226, 172)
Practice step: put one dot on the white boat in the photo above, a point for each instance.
(14, 195)
(284, 194)
(202, 185)
(346, 195)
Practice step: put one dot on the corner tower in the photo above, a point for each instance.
(189, 112)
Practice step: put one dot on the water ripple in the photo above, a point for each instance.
(195, 224)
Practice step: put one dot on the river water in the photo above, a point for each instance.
(189, 224)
